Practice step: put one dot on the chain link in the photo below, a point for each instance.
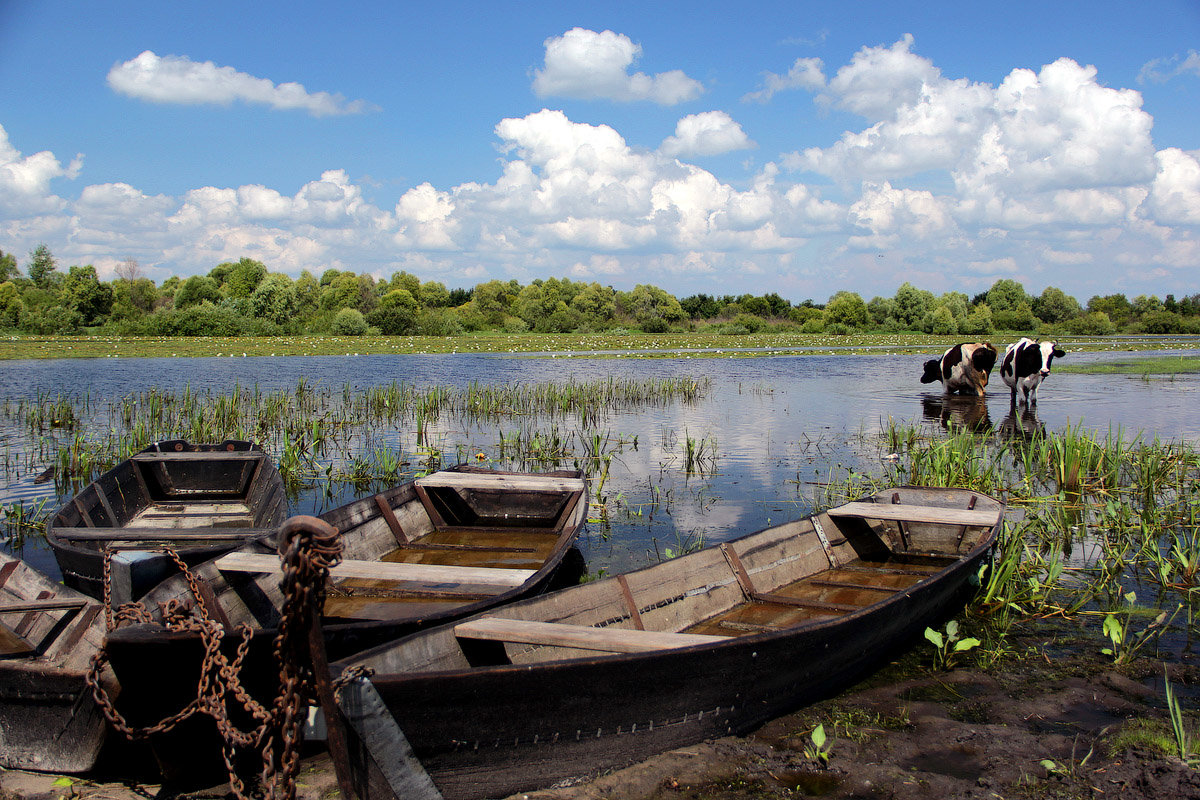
(312, 547)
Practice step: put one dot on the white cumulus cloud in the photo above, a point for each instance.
(588, 65)
(710, 133)
(25, 180)
(806, 73)
(178, 79)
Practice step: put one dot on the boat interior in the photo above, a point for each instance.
(152, 491)
(444, 541)
(41, 618)
(820, 568)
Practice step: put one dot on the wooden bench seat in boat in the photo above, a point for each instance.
(198, 455)
(534, 483)
(434, 574)
(148, 534)
(583, 637)
(900, 512)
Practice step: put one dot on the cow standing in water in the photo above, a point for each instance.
(1026, 364)
(963, 369)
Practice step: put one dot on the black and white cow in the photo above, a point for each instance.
(962, 369)
(1026, 364)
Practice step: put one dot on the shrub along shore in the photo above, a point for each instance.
(244, 298)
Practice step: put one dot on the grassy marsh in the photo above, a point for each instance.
(702, 345)
(1162, 365)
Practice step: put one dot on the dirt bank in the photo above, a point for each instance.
(1041, 728)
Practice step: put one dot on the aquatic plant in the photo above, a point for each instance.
(1183, 738)
(1126, 642)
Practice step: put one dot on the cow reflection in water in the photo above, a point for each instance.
(1021, 423)
(969, 413)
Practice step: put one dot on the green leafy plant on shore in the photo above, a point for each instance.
(948, 646)
(818, 746)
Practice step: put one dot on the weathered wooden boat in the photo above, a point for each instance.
(712, 643)
(428, 551)
(48, 635)
(200, 499)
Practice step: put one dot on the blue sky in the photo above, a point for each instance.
(795, 147)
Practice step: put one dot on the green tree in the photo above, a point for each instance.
(406, 281)
(8, 267)
(1020, 318)
(433, 294)
(700, 306)
(651, 306)
(1115, 306)
(596, 302)
(493, 299)
(1163, 322)
(396, 314)
(349, 322)
(43, 270)
(11, 306)
(1055, 305)
(133, 299)
(942, 322)
(846, 308)
(196, 290)
(242, 278)
(912, 306)
(170, 286)
(979, 322)
(275, 299)
(56, 319)
(83, 292)
(1093, 323)
(1006, 295)
(344, 291)
(308, 295)
(882, 311)
(1145, 304)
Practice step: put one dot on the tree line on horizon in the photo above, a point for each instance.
(244, 298)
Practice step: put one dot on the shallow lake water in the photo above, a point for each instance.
(779, 426)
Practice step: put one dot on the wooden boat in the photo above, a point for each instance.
(48, 635)
(432, 550)
(712, 643)
(200, 499)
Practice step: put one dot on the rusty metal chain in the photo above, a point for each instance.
(312, 547)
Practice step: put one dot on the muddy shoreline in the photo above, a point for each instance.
(1042, 724)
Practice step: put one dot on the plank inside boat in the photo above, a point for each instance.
(360, 598)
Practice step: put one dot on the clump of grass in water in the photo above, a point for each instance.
(20, 520)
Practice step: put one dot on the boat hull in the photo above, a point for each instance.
(488, 715)
(160, 667)
(49, 720)
(611, 712)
